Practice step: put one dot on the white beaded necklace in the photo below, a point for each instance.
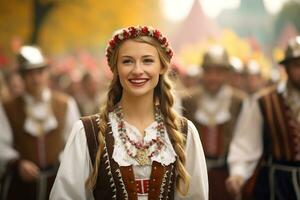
(143, 154)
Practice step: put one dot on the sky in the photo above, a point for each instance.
(177, 10)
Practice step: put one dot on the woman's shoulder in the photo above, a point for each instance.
(186, 123)
(192, 131)
(77, 130)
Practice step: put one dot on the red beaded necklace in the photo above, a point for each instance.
(142, 155)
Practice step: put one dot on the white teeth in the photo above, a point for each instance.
(137, 81)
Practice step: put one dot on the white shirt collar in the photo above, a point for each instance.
(214, 109)
(46, 97)
(166, 156)
(39, 114)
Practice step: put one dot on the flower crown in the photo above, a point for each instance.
(133, 32)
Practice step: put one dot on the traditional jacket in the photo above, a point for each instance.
(28, 145)
(39, 140)
(215, 127)
(217, 135)
(77, 164)
(277, 128)
(116, 182)
(269, 155)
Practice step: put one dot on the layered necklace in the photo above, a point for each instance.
(142, 152)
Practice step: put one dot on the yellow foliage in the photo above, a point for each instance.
(278, 54)
(90, 23)
(192, 54)
(15, 21)
(73, 24)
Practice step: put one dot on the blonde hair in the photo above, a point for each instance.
(171, 118)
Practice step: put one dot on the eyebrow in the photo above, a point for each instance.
(144, 56)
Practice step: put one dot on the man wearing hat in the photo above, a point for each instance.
(214, 109)
(40, 120)
(266, 146)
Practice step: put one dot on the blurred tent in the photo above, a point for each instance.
(195, 28)
(288, 32)
(250, 20)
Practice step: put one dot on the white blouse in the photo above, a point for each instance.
(76, 164)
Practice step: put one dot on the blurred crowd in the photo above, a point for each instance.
(88, 84)
(218, 95)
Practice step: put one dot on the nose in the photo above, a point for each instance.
(137, 69)
(36, 76)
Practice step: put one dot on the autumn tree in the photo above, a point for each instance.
(62, 25)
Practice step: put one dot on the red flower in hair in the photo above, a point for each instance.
(125, 34)
(112, 43)
(170, 52)
(164, 40)
(145, 30)
(157, 34)
(132, 31)
(116, 39)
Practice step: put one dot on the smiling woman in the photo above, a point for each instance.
(136, 147)
(139, 68)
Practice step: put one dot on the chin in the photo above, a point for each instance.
(139, 92)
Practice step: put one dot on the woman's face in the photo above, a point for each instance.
(138, 68)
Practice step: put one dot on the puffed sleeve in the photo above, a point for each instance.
(74, 169)
(196, 166)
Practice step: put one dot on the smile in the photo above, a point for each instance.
(138, 82)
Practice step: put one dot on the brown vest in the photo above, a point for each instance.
(278, 131)
(224, 131)
(116, 182)
(28, 145)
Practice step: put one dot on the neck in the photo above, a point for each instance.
(211, 93)
(138, 111)
(37, 96)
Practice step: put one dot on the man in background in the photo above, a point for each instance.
(266, 143)
(214, 108)
(40, 120)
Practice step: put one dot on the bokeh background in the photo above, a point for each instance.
(74, 33)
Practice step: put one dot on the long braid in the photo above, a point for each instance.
(113, 96)
(163, 92)
(172, 122)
